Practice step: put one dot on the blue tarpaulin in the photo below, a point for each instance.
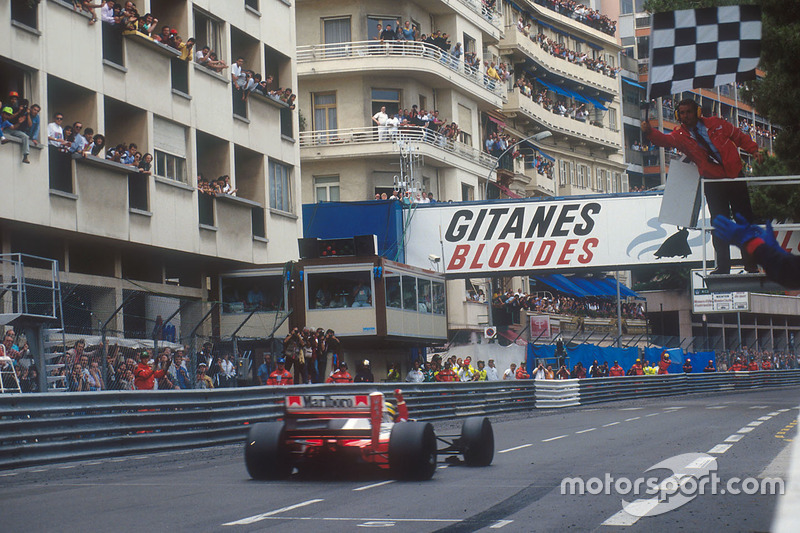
(632, 83)
(338, 220)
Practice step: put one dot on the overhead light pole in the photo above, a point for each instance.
(535, 137)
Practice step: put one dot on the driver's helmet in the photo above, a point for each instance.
(389, 412)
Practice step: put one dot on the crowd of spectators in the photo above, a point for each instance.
(594, 307)
(414, 124)
(245, 81)
(305, 358)
(765, 359)
(439, 46)
(756, 131)
(581, 13)
(217, 187)
(496, 143)
(560, 50)
(19, 119)
(559, 105)
(407, 197)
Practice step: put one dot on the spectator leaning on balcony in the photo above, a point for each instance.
(55, 133)
(16, 128)
(379, 119)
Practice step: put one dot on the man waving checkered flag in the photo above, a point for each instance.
(705, 47)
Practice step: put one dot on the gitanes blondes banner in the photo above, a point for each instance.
(570, 233)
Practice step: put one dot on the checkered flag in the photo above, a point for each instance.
(705, 47)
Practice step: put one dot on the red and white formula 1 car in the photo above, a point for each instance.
(361, 428)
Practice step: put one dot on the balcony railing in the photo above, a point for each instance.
(373, 135)
(494, 17)
(411, 49)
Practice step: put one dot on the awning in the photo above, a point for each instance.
(575, 289)
(592, 45)
(554, 88)
(588, 286)
(548, 280)
(597, 103)
(632, 83)
(623, 290)
(499, 123)
(539, 150)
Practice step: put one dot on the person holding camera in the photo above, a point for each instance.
(20, 125)
(293, 353)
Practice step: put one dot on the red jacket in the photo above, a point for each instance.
(521, 374)
(616, 371)
(145, 376)
(285, 378)
(340, 377)
(663, 366)
(766, 365)
(753, 366)
(446, 375)
(636, 370)
(737, 367)
(725, 137)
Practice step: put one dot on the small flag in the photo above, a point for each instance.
(705, 47)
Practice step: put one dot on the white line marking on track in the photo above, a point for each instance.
(774, 413)
(632, 419)
(765, 418)
(675, 408)
(611, 424)
(734, 438)
(699, 463)
(622, 518)
(745, 430)
(554, 438)
(652, 414)
(367, 487)
(759, 407)
(117, 460)
(755, 423)
(259, 517)
(720, 448)
(782, 410)
(8, 475)
(716, 407)
(40, 470)
(515, 448)
(94, 463)
(631, 408)
(442, 467)
(365, 522)
(500, 523)
(67, 467)
(584, 431)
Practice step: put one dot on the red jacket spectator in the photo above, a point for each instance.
(737, 367)
(663, 365)
(521, 374)
(281, 376)
(636, 369)
(753, 366)
(341, 375)
(446, 375)
(725, 137)
(766, 364)
(616, 370)
(145, 375)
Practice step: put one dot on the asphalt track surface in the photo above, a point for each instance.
(747, 434)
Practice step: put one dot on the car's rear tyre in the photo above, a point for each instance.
(265, 453)
(412, 451)
(477, 441)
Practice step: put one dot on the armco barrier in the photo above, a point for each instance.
(52, 427)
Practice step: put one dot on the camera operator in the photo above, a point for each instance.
(22, 124)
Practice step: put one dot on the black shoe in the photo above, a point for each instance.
(26, 160)
(720, 272)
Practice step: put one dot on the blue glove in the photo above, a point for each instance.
(738, 234)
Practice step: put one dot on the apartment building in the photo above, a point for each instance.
(113, 229)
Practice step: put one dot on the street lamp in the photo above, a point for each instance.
(535, 137)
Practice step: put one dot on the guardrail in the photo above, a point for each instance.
(54, 427)
(429, 53)
(382, 134)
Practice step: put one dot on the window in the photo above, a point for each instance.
(205, 209)
(259, 228)
(372, 25)
(643, 47)
(409, 293)
(170, 166)
(612, 118)
(287, 122)
(208, 32)
(280, 190)
(393, 292)
(467, 192)
(620, 182)
(169, 142)
(324, 111)
(337, 30)
(583, 179)
(438, 298)
(566, 174)
(332, 290)
(137, 191)
(242, 294)
(424, 304)
(465, 124)
(602, 180)
(423, 102)
(252, 4)
(386, 97)
(326, 188)
(25, 12)
(469, 44)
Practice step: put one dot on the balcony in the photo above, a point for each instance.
(366, 142)
(490, 21)
(516, 40)
(538, 184)
(422, 61)
(598, 135)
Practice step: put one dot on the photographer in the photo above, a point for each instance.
(332, 346)
(17, 125)
(293, 353)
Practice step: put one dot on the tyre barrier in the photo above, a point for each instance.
(57, 427)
